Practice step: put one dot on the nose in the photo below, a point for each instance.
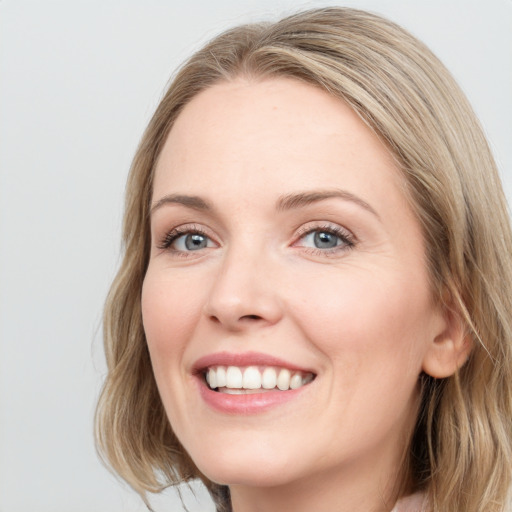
(245, 292)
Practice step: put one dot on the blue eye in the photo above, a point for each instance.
(325, 239)
(322, 239)
(190, 242)
(179, 240)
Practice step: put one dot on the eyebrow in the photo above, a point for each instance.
(292, 201)
(193, 202)
(287, 202)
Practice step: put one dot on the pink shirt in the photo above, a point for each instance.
(413, 503)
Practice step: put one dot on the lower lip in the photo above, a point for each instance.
(253, 403)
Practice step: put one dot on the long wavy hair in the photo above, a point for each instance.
(460, 453)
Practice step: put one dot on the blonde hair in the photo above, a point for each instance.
(460, 454)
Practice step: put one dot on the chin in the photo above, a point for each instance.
(245, 468)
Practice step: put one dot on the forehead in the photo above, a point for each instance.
(274, 135)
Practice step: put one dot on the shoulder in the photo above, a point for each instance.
(414, 503)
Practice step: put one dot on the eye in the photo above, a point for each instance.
(186, 239)
(326, 239)
(321, 240)
(191, 242)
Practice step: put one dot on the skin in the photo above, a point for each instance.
(360, 315)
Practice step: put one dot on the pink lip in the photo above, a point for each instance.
(253, 403)
(246, 404)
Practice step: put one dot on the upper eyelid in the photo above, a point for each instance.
(311, 226)
(187, 227)
(185, 222)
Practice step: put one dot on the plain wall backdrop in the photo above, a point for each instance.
(79, 80)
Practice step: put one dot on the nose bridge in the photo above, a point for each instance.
(243, 292)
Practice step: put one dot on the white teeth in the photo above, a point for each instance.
(234, 377)
(221, 377)
(212, 378)
(283, 379)
(252, 378)
(236, 380)
(296, 381)
(269, 378)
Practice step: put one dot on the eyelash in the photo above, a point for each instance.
(346, 237)
(174, 234)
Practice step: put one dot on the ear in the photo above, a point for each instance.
(449, 349)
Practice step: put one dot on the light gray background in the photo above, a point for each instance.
(78, 82)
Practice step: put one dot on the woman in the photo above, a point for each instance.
(312, 309)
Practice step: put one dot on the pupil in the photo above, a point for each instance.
(325, 240)
(195, 241)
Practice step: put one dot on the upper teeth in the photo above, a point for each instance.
(254, 377)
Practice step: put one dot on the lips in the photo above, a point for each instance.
(250, 382)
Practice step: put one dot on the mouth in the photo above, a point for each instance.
(250, 383)
(240, 380)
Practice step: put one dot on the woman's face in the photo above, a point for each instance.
(284, 253)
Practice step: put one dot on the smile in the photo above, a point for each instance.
(254, 379)
(250, 382)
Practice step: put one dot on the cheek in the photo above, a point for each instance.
(170, 312)
(372, 333)
(376, 322)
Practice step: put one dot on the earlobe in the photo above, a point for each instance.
(449, 350)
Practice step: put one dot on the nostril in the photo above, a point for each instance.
(215, 319)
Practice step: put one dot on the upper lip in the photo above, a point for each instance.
(244, 359)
